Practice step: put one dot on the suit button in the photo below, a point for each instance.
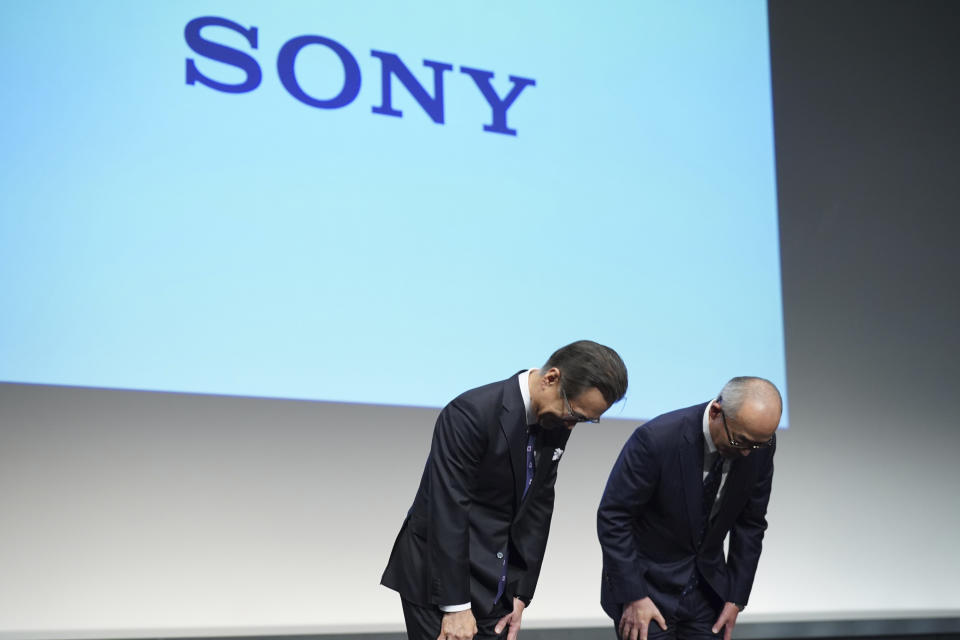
(500, 555)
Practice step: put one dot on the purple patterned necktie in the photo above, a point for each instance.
(531, 467)
(531, 460)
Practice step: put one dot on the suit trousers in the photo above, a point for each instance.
(696, 613)
(423, 623)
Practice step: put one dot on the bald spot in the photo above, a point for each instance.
(759, 414)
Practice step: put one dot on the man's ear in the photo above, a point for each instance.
(551, 376)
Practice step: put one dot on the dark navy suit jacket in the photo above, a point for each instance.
(651, 513)
(469, 511)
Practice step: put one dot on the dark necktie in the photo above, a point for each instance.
(711, 486)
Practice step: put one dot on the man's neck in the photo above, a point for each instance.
(533, 385)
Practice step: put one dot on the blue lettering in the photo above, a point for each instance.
(391, 65)
(499, 107)
(351, 72)
(221, 53)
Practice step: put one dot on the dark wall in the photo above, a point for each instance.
(867, 119)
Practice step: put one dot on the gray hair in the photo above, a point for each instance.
(742, 388)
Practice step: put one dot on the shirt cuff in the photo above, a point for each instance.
(453, 608)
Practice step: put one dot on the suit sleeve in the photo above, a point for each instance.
(632, 482)
(746, 538)
(458, 445)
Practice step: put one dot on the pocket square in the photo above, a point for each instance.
(556, 454)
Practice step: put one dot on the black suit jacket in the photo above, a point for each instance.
(469, 513)
(651, 513)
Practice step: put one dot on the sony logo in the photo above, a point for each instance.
(391, 66)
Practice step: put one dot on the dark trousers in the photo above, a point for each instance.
(423, 623)
(696, 613)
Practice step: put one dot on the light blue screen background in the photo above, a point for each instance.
(164, 236)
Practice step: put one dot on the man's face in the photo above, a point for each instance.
(753, 426)
(562, 411)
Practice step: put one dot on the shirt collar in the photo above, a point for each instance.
(709, 448)
(524, 379)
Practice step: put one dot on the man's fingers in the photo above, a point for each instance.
(660, 620)
(643, 629)
(721, 620)
(502, 623)
(515, 629)
(729, 620)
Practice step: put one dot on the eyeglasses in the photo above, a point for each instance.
(735, 444)
(573, 416)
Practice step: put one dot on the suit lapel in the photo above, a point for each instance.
(513, 424)
(548, 442)
(691, 467)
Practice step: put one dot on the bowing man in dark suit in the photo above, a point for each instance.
(468, 555)
(683, 481)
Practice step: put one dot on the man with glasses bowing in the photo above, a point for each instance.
(468, 555)
(683, 481)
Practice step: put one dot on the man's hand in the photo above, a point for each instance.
(727, 620)
(636, 619)
(458, 625)
(512, 619)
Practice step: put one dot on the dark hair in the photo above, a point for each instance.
(584, 364)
